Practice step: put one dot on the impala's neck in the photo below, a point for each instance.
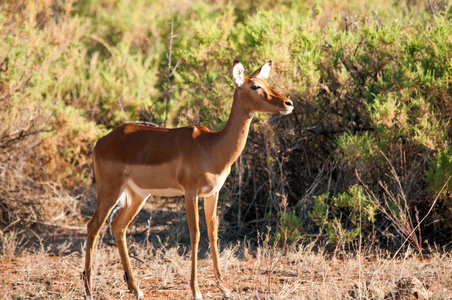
(233, 137)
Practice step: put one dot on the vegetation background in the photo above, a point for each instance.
(362, 165)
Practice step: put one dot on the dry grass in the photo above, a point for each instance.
(43, 268)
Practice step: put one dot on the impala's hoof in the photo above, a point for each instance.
(226, 292)
(138, 294)
(88, 295)
(197, 296)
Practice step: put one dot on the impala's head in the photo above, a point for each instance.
(255, 93)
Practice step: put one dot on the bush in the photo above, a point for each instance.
(345, 216)
(440, 171)
(371, 88)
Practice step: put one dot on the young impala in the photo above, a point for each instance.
(135, 161)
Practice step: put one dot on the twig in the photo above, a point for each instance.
(169, 74)
(4, 230)
(432, 9)
(142, 123)
(5, 141)
(409, 221)
(134, 257)
(417, 226)
(122, 108)
(40, 291)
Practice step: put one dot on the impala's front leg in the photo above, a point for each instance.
(191, 207)
(210, 206)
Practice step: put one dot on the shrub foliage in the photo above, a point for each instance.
(367, 144)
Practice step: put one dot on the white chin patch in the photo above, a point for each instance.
(285, 111)
(251, 114)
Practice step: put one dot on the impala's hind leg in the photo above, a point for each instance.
(131, 208)
(191, 208)
(105, 202)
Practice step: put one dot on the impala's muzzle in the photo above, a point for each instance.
(288, 109)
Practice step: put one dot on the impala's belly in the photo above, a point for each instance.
(162, 180)
(131, 189)
(144, 192)
(153, 180)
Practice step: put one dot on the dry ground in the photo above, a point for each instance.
(52, 267)
(164, 273)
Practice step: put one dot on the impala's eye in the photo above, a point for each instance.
(255, 87)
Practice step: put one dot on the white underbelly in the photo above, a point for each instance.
(131, 188)
(144, 192)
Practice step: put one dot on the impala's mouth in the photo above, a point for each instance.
(286, 111)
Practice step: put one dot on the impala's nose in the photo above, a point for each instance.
(288, 109)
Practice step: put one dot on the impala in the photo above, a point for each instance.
(134, 161)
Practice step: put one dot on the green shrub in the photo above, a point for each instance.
(439, 172)
(344, 216)
(288, 231)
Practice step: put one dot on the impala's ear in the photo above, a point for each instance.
(263, 71)
(238, 72)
